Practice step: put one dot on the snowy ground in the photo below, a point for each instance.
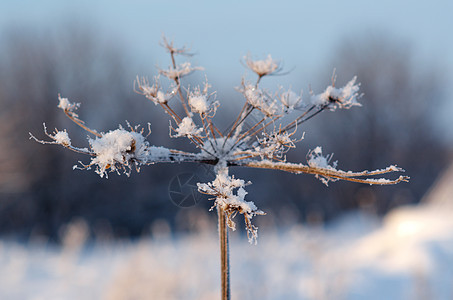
(408, 255)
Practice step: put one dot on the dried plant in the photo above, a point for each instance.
(262, 145)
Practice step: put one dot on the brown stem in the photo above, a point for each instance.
(224, 254)
(298, 169)
(171, 112)
(80, 123)
(264, 126)
(248, 131)
(183, 101)
(241, 117)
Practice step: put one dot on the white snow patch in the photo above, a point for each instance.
(262, 67)
(291, 100)
(198, 103)
(344, 97)
(66, 105)
(118, 147)
(317, 160)
(187, 128)
(62, 137)
(180, 71)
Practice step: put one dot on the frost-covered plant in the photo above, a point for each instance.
(261, 145)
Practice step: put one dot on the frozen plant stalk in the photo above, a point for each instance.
(262, 145)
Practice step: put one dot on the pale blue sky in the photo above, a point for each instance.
(302, 33)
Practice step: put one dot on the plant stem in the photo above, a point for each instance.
(224, 254)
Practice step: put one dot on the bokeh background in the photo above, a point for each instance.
(91, 51)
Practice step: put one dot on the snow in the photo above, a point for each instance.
(161, 97)
(66, 105)
(260, 100)
(262, 67)
(187, 128)
(223, 188)
(154, 92)
(198, 103)
(344, 97)
(62, 137)
(407, 254)
(117, 147)
(317, 160)
(220, 148)
(180, 71)
(223, 185)
(157, 153)
(253, 95)
(201, 102)
(274, 145)
(378, 181)
(291, 100)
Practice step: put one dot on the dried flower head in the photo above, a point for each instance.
(263, 67)
(262, 145)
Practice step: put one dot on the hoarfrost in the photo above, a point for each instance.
(118, 149)
(317, 160)
(334, 98)
(291, 100)
(198, 103)
(262, 67)
(223, 188)
(66, 105)
(180, 71)
(187, 128)
(62, 137)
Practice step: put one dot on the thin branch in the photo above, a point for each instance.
(233, 127)
(81, 123)
(328, 173)
(177, 81)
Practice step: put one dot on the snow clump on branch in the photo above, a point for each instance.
(345, 97)
(263, 67)
(62, 137)
(154, 92)
(118, 149)
(187, 128)
(201, 102)
(223, 189)
(291, 100)
(66, 105)
(179, 71)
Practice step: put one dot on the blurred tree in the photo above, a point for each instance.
(35, 66)
(402, 97)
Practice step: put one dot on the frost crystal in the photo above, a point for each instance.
(187, 128)
(317, 160)
(154, 93)
(253, 95)
(223, 188)
(118, 149)
(260, 100)
(62, 137)
(262, 67)
(273, 146)
(65, 105)
(180, 71)
(334, 98)
(291, 100)
(198, 103)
